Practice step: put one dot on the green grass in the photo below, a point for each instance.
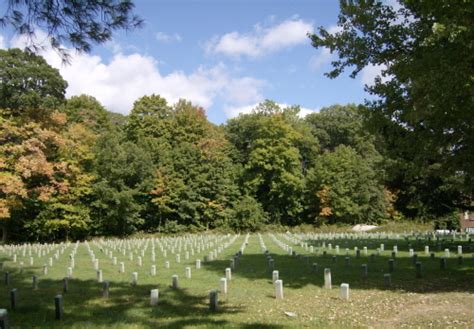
(441, 298)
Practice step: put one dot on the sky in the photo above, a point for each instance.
(223, 55)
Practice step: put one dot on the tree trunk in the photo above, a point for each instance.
(3, 229)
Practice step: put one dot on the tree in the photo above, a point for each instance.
(343, 187)
(44, 181)
(342, 125)
(274, 148)
(88, 111)
(424, 100)
(125, 174)
(29, 86)
(78, 23)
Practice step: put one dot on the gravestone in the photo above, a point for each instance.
(105, 289)
(154, 294)
(13, 298)
(223, 285)
(278, 289)
(327, 278)
(174, 282)
(345, 291)
(387, 278)
(418, 269)
(65, 284)
(213, 300)
(364, 270)
(275, 275)
(4, 322)
(58, 307)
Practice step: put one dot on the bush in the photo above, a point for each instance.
(248, 215)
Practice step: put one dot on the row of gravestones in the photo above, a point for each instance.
(303, 244)
(278, 283)
(391, 262)
(429, 235)
(154, 293)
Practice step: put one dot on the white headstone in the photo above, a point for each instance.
(154, 297)
(345, 291)
(327, 278)
(275, 275)
(279, 289)
(223, 284)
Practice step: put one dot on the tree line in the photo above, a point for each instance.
(69, 169)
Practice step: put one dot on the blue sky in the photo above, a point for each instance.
(223, 55)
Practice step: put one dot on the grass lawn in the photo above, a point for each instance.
(440, 299)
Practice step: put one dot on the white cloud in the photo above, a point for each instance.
(2, 43)
(261, 41)
(334, 29)
(320, 59)
(125, 78)
(165, 37)
(234, 111)
(370, 72)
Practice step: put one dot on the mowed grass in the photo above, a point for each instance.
(440, 299)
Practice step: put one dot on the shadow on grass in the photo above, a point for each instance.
(84, 306)
(298, 271)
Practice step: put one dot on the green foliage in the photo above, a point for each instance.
(247, 215)
(82, 171)
(124, 176)
(30, 86)
(270, 142)
(80, 23)
(343, 187)
(88, 111)
(343, 125)
(424, 102)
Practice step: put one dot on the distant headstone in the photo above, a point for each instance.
(35, 282)
(65, 284)
(223, 285)
(364, 270)
(174, 282)
(105, 289)
(387, 278)
(275, 275)
(213, 300)
(58, 307)
(327, 278)
(278, 289)
(13, 298)
(418, 269)
(4, 322)
(154, 294)
(442, 263)
(345, 291)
